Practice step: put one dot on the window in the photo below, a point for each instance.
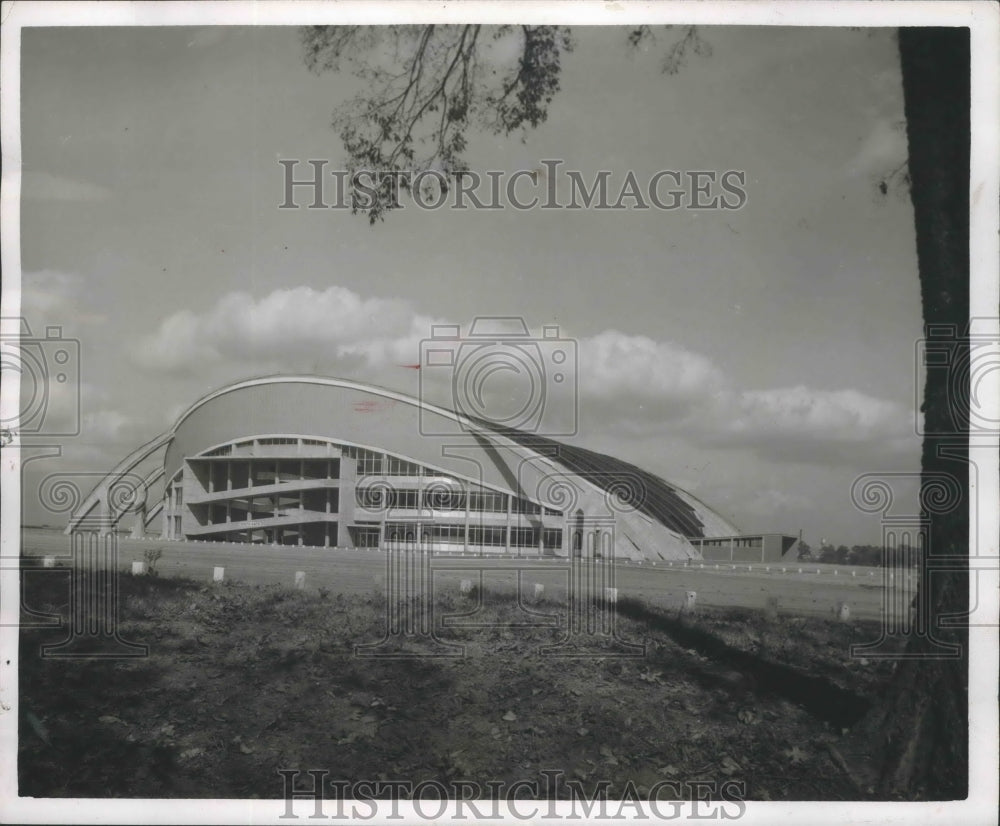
(487, 535)
(378, 497)
(178, 495)
(523, 538)
(525, 506)
(488, 501)
(409, 499)
(443, 499)
(400, 532)
(444, 534)
(400, 467)
(552, 538)
(364, 536)
(225, 450)
(369, 463)
(277, 440)
(374, 498)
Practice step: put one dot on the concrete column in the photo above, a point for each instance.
(139, 527)
(468, 512)
(510, 509)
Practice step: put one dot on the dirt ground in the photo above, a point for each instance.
(243, 680)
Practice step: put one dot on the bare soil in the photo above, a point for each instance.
(241, 681)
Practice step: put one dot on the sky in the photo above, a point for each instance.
(760, 358)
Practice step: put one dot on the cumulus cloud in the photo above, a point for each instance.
(632, 385)
(807, 424)
(635, 370)
(331, 331)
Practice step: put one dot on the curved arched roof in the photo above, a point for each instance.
(304, 404)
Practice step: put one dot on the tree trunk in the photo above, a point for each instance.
(920, 727)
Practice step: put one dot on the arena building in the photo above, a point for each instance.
(310, 460)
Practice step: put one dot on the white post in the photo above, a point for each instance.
(300, 579)
(690, 600)
(465, 586)
(138, 567)
(611, 595)
(218, 574)
(49, 562)
(539, 590)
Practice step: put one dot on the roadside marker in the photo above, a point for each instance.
(218, 574)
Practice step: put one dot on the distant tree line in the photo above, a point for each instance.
(873, 555)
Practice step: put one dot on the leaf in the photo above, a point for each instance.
(748, 717)
(510, 717)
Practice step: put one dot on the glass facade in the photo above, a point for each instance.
(291, 491)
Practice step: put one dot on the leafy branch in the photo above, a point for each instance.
(425, 87)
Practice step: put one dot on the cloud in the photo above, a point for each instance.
(636, 373)
(44, 186)
(634, 386)
(334, 331)
(806, 424)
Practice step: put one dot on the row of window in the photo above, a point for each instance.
(239, 475)
(745, 542)
(485, 535)
(377, 497)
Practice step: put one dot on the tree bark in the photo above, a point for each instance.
(921, 724)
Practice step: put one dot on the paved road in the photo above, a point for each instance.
(816, 591)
